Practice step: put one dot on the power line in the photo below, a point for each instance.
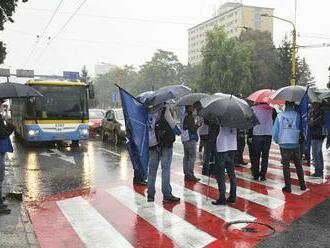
(123, 18)
(51, 39)
(39, 37)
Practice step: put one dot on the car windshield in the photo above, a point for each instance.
(96, 114)
(119, 114)
(59, 102)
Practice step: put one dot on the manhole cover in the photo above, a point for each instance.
(252, 227)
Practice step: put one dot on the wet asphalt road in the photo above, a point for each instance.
(46, 170)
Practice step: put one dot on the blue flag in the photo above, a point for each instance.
(136, 117)
(303, 109)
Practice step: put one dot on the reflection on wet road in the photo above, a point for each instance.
(88, 194)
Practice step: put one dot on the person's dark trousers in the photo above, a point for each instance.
(208, 160)
(225, 161)
(240, 148)
(318, 155)
(202, 143)
(260, 149)
(295, 156)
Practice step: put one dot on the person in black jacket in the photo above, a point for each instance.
(5, 146)
(316, 122)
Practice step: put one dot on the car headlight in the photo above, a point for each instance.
(123, 128)
(33, 132)
(83, 131)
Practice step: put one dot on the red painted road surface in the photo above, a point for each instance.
(117, 214)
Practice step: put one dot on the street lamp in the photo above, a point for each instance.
(293, 48)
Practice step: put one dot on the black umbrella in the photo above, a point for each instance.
(191, 98)
(228, 111)
(16, 90)
(166, 93)
(289, 93)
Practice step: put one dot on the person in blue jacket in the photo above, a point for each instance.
(5, 146)
(287, 134)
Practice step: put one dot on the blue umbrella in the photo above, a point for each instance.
(165, 94)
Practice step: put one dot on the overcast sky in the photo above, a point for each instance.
(129, 31)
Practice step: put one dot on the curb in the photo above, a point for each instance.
(29, 231)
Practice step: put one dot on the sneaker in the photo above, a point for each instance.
(263, 179)
(192, 179)
(286, 189)
(171, 199)
(231, 200)
(143, 183)
(316, 175)
(219, 202)
(150, 198)
(256, 178)
(303, 187)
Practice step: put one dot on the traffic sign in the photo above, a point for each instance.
(114, 96)
(25, 73)
(4, 72)
(71, 75)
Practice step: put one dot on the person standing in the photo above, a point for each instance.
(210, 148)
(5, 146)
(287, 133)
(240, 147)
(203, 132)
(261, 140)
(316, 122)
(225, 161)
(162, 130)
(189, 144)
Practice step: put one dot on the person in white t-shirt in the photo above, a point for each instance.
(225, 161)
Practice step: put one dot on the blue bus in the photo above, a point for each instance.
(61, 115)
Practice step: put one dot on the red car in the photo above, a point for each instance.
(95, 121)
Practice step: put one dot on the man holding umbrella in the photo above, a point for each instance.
(5, 146)
(287, 133)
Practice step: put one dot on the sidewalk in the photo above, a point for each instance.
(16, 231)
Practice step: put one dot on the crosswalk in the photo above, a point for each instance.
(118, 215)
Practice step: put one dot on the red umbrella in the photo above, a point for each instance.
(263, 96)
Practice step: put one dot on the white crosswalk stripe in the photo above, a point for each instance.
(225, 213)
(250, 195)
(269, 183)
(180, 231)
(293, 175)
(90, 226)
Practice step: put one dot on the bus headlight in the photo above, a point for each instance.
(122, 128)
(33, 132)
(83, 132)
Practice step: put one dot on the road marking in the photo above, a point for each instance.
(60, 154)
(91, 227)
(250, 195)
(109, 151)
(279, 172)
(226, 213)
(180, 231)
(269, 183)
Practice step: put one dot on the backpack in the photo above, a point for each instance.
(5, 130)
(164, 133)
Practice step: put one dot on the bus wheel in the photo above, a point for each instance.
(75, 143)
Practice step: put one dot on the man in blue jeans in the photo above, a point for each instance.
(162, 130)
(225, 161)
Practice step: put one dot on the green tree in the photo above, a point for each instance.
(264, 59)
(7, 9)
(84, 76)
(124, 76)
(226, 65)
(163, 69)
(303, 73)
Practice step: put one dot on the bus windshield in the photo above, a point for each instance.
(59, 102)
